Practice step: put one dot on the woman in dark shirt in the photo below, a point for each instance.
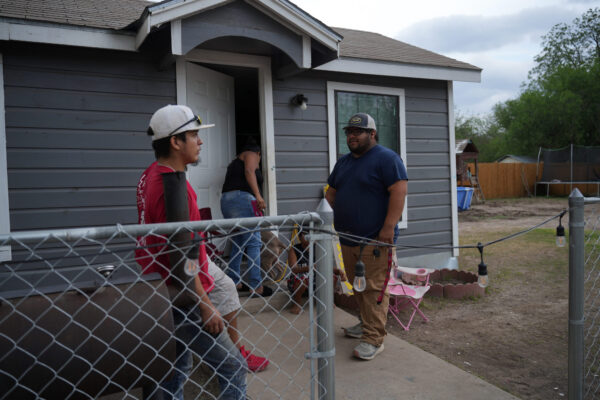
(241, 198)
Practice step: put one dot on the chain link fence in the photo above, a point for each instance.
(584, 298)
(592, 299)
(79, 319)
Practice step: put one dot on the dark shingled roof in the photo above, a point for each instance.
(118, 14)
(373, 46)
(108, 14)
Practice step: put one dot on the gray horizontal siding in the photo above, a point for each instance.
(66, 178)
(301, 144)
(69, 259)
(71, 198)
(76, 123)
(284, 127)
(302, 175)
(76, 158)
(302, 152)
(292, 206)
(51, 218)
(41, 138)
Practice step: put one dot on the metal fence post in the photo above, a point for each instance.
(324, 297)
(576, 294)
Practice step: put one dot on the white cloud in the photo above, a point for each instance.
(500, 36)
(468, 33)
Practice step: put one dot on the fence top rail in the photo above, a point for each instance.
(591, 200)
(163, 228)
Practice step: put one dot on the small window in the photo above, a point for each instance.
(385, 104)
(383, 108)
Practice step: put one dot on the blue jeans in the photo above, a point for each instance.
(238, 204)
(218, 352)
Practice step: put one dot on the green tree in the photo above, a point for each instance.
(576, 45)
(560, 104)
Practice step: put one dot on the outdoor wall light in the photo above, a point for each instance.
(301, 101)
(560, 231)
(482, 276)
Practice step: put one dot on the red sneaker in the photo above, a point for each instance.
(255, 363)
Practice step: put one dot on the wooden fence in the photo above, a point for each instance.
(504, 180)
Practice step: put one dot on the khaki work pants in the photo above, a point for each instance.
(373, 315)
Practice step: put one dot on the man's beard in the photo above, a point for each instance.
(360, 149)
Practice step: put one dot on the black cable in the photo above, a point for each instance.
(354, 238)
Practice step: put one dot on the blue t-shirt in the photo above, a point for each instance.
(362, 197)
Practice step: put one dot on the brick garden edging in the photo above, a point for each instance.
(459, 291)
(469, 288)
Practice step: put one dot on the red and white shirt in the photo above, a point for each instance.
(152, 252)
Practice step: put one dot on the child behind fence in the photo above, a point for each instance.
(298, 260)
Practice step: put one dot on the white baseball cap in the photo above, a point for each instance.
(173, 119)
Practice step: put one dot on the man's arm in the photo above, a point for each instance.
(330, 196)
(211, 318)
(394, 213)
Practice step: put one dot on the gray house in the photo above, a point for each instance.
(81, 80)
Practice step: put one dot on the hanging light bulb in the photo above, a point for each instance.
(482, 276)
(191, 267)
(560, 231)
(560, 236)
(360, 283)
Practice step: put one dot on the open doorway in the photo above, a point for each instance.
(227, 96)
(247, 112)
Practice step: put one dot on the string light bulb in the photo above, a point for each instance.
(360, 283)
(191, 267)
(560, 231)
(483, 279)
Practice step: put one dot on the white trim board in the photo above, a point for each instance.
(265, 90)
(67, 35)
(331, 131)
(384, 68)
(5, 251)
(452, 144)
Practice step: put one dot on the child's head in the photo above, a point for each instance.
(302, 238)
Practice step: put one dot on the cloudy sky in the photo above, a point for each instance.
(500, 36)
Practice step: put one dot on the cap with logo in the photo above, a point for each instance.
(173, 119)
(361, 120)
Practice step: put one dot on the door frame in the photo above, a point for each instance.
(265, 94)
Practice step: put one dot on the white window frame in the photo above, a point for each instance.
(5, 253)
(332, 87)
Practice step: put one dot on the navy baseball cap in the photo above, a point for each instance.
(361, 120)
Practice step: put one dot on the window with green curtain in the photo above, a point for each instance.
(384, 109)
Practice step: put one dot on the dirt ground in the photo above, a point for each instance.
(514, 337)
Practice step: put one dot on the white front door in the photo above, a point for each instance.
(210, 94)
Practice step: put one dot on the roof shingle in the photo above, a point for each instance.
(373, 46)
(107, 14)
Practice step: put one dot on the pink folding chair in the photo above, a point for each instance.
(403, 294)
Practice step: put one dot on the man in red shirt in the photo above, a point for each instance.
(199, 327)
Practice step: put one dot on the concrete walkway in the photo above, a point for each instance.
(402, 371)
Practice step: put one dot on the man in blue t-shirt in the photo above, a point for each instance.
(367, 191)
